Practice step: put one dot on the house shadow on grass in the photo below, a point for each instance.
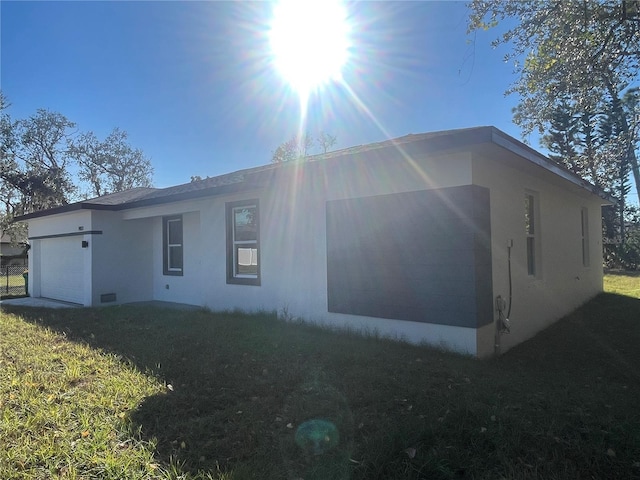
(602, 337)
(237, 389)
(246, 394)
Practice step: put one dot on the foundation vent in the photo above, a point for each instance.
(107, 297)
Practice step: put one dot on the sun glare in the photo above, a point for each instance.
(309, 42)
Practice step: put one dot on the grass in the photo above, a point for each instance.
(65, 408)
(15, 284)
(128, 393)
(12, 280)
(623, 283)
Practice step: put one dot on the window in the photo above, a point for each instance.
(243, 243)
(531, 221)
(172, 245)
(584, 220)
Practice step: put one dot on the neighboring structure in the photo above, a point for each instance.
(11, 254)
(425, 237)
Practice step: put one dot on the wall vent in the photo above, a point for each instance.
(107, 297)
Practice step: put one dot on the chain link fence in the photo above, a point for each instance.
(13, 280)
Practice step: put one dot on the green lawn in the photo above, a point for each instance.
(12, 280)
(141, 393)
(15, 284)
(623, 283)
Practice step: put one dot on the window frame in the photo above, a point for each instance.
(233, 245)
(532, 234)
(584, 233)
(169, 248)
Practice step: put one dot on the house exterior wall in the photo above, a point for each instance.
(125, 255)
(188, 287)
(121, 259)
(72, 223)
(563, 282)
(294, 241)
(203, 281)
(63, 223)
(217, 293)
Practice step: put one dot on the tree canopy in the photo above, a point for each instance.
(46, 162)
(111, 165)
(576, 72)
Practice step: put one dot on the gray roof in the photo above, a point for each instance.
(121, 198)
(239, 180)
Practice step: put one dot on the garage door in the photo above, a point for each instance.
(62, 269)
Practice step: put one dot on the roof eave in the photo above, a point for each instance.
(509, 143)
(257, 178)
(193, 195)
(206, 192)
(72, 207)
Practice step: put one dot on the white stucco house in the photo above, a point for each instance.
(420, 237)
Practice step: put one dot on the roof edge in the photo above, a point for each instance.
(434, 141)
(523, 150)
(178, 197)
(71, 207)
(195, 194)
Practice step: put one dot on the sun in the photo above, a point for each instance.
(309, 42)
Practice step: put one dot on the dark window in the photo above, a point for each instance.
(172, 246)
(243, 242)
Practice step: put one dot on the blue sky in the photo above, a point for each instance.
(192, 83)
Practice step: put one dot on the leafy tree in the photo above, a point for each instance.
(37, 157)
(42, 159)
(576, 63)
(583, 54)
(111, 165)
(562, 137)
(627, 254)
(9, 195)
(6, 133)
(296, 148)
(286, 151)
(588, 144)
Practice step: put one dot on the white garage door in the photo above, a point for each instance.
(62, 269)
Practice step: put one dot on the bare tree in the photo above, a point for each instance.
(297, 147)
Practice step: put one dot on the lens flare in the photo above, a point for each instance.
(310, 42)
(317, 436)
